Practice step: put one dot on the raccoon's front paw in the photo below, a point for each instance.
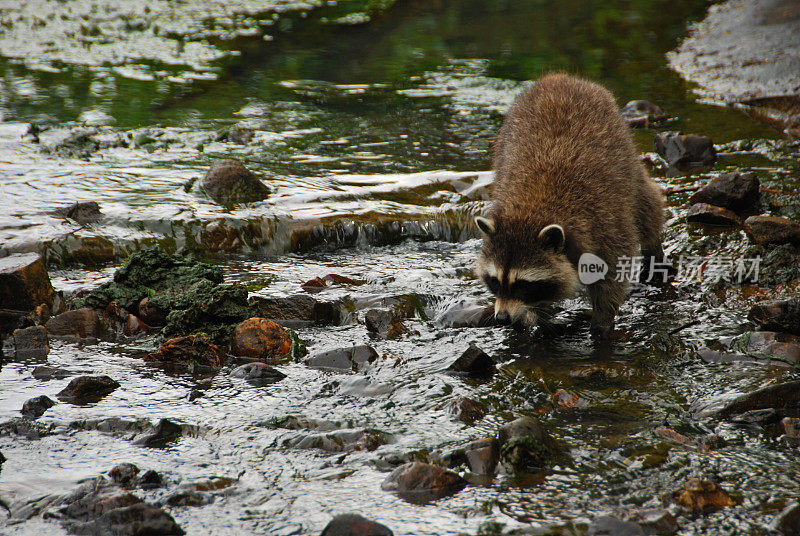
(601, 330)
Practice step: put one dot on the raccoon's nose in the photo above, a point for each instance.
(502, 317)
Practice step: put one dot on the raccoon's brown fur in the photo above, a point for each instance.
(565, 157)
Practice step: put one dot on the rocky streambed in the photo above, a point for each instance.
(262, 318)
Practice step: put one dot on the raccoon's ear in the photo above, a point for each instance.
(486, 225)
(553, 237)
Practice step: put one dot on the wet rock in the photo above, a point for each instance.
(208, 308)
(466, 410)
(319, 283)
(79, 324)
(261, 339)
(87, 389)
(82, 212)
(229, 182)
(482, 455)
(160, 435)
(26, 428)
(791, 427)
(777, 315)
(738, 192)
(702, 496)
(354, 358)
(654, 521)
(47, 373)
(259, 374)
(526, 446)
(150, 480)
(418, 482)
(772, 230)
(787, 522)
(384, 323)
(712, 215)
(123, 323)
(24, 282)
(31, 342)
(41, 313)
(783, 396)
(189, 498)
(124, 474)
(705, 444)
(563, 399)
(685, 151)
(151, 314)
(756, 418)
(474, 363)
(611, 526)
(155, 275)
(783, 346)
(299, 310)
(354, 525)
(642, 114)
(78, 143)
(190, 352)
(342, 441)
(137, 519)
(239, 134)
(466, 314)
(34, 408)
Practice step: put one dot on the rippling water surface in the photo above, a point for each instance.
(374, 139)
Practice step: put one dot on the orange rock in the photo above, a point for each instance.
(187, 350)
(24, 282)
(261, 339)
(702, 496)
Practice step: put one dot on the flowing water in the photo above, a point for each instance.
(372, 125)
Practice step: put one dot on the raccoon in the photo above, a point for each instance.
(568, 181)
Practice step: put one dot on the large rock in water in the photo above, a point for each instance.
(738, 192)
(354, 525)
(419, 482)
(261, 339)
(772, 230)
(230, 182)
(777, 315)
(87, 389)
(81, 323)
(188, 352)
(685, 151)
(24, 282)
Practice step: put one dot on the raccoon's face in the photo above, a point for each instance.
(524, 270)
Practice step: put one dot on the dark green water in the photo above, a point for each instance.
(351, 124)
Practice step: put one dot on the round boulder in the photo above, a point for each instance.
(262, 339)
(230, 182)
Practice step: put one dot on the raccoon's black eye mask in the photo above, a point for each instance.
(533, 291)
(492, 283)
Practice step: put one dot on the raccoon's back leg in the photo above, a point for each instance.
(606, 296)
(649, 221)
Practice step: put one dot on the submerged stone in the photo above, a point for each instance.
(258, 374)
(482, 455)
(684, 151)
(702, 496)
(474, 363)
(738, 192)
(124, 474)
(611, 526)
(31, 342)
(782, 396)
(87, 389)
(418, 482)
(299, 310)
(229, 182)
(342, 441)
(84, 212)
(642, 114)
(354, 525)
(772, 230)
(159, 435)
(24, 427)
(787, 522)
(712, 215)
(466, 410)
(526, 446)
(24, 282)
(353, 358)
(190, 352)
(777, 315)
(34, 408)
(384, 323)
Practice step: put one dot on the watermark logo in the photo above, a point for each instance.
(687, 269)
(591, 268)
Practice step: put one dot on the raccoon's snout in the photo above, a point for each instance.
(502, 318)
